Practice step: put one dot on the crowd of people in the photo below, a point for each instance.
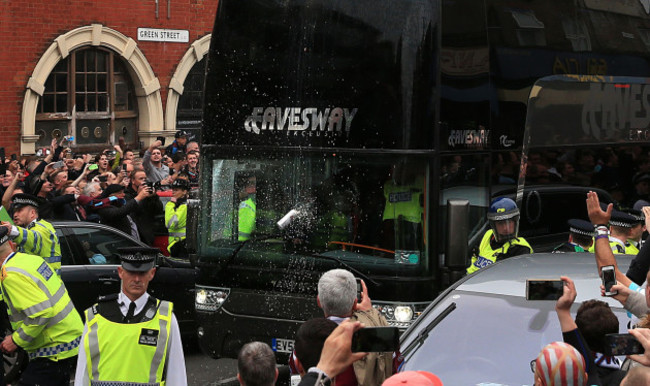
(115, 187)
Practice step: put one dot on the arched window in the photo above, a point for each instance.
(190, 104)
(89, 95)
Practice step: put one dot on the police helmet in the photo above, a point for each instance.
(503, 209)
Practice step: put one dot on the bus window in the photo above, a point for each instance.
(359, 208)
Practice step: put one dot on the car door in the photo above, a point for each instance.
(174, 281)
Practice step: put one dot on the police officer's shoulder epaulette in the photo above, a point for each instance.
(107, 298)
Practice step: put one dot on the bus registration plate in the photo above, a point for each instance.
(283, 345)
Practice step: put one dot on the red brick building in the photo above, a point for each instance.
(100, 70)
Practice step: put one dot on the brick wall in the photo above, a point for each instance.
(28, 28)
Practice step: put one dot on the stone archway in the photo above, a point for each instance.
(147, 86)
(194, 54)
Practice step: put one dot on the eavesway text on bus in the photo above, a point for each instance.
(612, 109)
(298, 119)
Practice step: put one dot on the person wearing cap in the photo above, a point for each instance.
(620, 229)
(131, 337)
(413, 378)
(581, 234)
(633, 242)
(32, 234)
(176, 218)
(45, 322)
(501, 241)
(179, 144)
(118, 213)
(641, 182)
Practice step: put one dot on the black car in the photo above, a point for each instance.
(89, 269)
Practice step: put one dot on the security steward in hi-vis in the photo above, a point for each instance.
(581, 237)
(131, 338)
(246, 213)
(45, 323)
(501, 241)
(33, 235)
(176, 218)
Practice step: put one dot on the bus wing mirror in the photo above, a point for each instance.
(457, 234)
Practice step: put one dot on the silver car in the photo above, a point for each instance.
(483, 331)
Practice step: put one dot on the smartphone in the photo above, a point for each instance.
(376, 339)
(161, 139)
(622, 344)
(102, 178)
(608, 276)
(93, 167)
(13, 157)
(544, 289)
(58, 165)
(359, 290)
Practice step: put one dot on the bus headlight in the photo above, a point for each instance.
(210, 298)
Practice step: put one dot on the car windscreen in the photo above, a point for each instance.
(487, 339)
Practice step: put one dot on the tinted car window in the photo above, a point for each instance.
(66, 253)
(100, 246)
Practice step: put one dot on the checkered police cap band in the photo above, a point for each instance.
(138, 257)
(24, 201)
(582, 232)
(621, 224)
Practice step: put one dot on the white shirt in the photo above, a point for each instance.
(176, 374)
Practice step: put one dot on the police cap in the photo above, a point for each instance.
(23, 199)
(138, 259)
(622, 219)
(637, 214)
(181, 183)
(4, 235)
(581, 227)
(180, 133)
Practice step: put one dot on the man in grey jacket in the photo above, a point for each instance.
(152, 163)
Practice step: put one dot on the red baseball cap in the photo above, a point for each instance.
(416, 378)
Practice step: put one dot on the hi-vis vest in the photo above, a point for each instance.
(246, 219)
(40, 239)
(403, 201)
(44, 320)
(119, 354)
(487, 255)
(631, 248)
(175, 220)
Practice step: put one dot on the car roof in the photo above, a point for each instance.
(508, 277)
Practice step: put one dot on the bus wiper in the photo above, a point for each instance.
(422, 335)
(355, 271)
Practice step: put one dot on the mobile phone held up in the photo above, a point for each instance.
(622, 344)
(161, 139)
(376, 339)
(359, 290)
(58, 165)
(608, 276)
(541, 289)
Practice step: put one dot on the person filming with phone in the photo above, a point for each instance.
(337, 297)
(152, 163)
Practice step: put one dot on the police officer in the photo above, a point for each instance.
(246, 213)
(33, 235)
(620, 229)
(131, 337)
(581, 234)
(501, 240)
(634, 239)
(43, 318)
(176, 218)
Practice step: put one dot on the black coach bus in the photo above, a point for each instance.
(376, 131)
